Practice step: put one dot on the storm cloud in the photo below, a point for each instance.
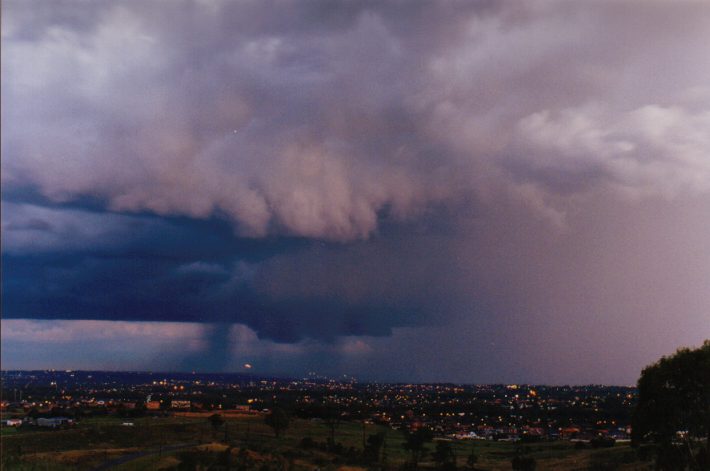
(534, 176)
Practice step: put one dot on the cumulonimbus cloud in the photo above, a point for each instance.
(318, 121)
(317, 171)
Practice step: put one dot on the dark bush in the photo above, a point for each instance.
(602, 442)
(308, 443)
(524, 463)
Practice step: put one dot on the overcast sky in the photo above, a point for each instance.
(422, 191)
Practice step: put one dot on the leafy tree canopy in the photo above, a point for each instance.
(673, 410)
(278, 419)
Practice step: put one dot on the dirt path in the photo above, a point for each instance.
(141, 454)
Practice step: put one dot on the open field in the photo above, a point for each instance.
(150, 444)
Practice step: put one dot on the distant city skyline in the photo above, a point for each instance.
(483, 192)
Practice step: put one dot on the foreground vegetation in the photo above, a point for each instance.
(247, 442)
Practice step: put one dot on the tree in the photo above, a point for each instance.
(522, 462)
(216, 421)
(331, 417)
(141, 409)
(673, 409)
(373, 446)
(278, 420)
(472, 459)
(415, 442)
(444, 456)
(33, 413)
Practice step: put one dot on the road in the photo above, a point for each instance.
(141, 454)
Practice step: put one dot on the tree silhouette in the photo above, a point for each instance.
(673, 410)
(522, 462)
(332, 418)
(373, 446)
(444, 456)
(472, 459)
(216, 421)
(33, 413)
(415, 442)
(278, 420)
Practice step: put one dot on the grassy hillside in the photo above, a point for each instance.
(245, 442)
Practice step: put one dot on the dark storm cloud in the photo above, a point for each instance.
(318, 170)
(86, 265)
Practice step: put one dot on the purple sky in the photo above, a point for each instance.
(472, 192)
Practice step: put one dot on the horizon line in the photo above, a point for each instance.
(331, 378)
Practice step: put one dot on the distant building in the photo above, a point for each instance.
(180, 404)
(533, 431)
(53, 422)
(152, 405)
(569, 432)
